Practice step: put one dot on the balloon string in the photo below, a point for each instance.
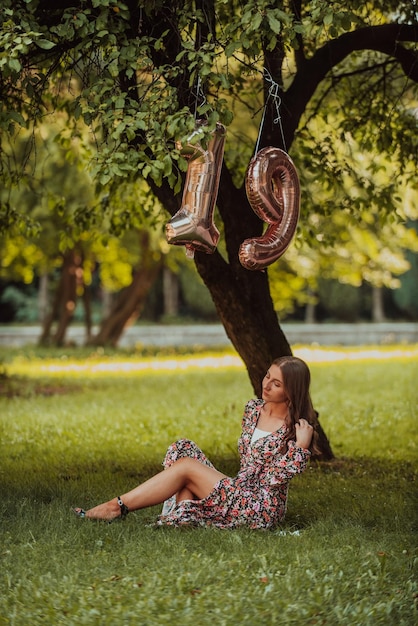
(274, 94)
(199, 94)
(260, 129)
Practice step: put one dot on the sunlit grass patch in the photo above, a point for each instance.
(345, 554)
(97, 361)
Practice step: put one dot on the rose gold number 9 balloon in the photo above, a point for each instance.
(273, 191)
(192, 225)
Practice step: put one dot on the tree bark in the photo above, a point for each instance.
(378, 311)
(43, 297)
(170, 293)
(64, 302)
(87, 312)
(310, 317)
(106, 299)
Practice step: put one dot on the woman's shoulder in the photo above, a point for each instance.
(252, 408)
(254, 403)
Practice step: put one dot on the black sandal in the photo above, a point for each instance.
(124, 510)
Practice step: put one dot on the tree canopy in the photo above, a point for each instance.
(307, 77)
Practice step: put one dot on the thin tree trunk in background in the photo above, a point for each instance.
(72, 265)
(87, 312)
(106, 300)
(378, 313)
(45, 338)
(64, 301)
(43, 297)
(170, 293)
(310, 313)
(127, 307)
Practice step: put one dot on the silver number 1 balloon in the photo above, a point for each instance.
(193, 225)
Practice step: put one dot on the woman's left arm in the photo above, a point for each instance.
(296, 459)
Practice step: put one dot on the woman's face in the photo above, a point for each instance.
(273, 387)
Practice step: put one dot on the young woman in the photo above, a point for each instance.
(275, 444)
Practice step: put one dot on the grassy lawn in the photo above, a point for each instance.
(80, 427)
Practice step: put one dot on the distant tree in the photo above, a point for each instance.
(58, 195)
(51, 191)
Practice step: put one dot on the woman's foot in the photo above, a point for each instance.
(108, 511)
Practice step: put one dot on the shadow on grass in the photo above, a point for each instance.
(371, 493)
(26, 387)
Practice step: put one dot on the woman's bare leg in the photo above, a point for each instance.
(185, 474)
(185, 494)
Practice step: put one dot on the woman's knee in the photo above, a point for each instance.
(177, 450)
(182, 446)
(185, 464)
(188, 469)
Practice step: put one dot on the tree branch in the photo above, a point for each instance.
(384, 39)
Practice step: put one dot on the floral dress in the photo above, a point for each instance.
(256, 497)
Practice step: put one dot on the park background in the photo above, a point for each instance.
(97, 372)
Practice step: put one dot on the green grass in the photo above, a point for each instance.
(79, 427)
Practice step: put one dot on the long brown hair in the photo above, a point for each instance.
(296, 382)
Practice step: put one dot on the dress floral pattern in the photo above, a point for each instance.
(256, 497)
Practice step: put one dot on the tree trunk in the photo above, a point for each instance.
(43, 298)
(310, 310)
(45, 337)
(242, 300)
(130, 302)
(64, 302)
(170, 292)
(378, 312)
(87, 312)
(106, 299)
(69, 276)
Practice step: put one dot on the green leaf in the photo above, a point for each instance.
(17, 117)
(14, 65)
(231, 48)
(256, 22)
(120, 102)
(104, 178)
(328, 19)
(45, 44)
(146, 170)
(274, 23)
(168, 165)
(346, 22)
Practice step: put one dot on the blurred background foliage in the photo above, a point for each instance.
(361, 270)
(81, 225)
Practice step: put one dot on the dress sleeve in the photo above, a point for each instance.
(249, 413)
(248, 419)
(295, 461)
